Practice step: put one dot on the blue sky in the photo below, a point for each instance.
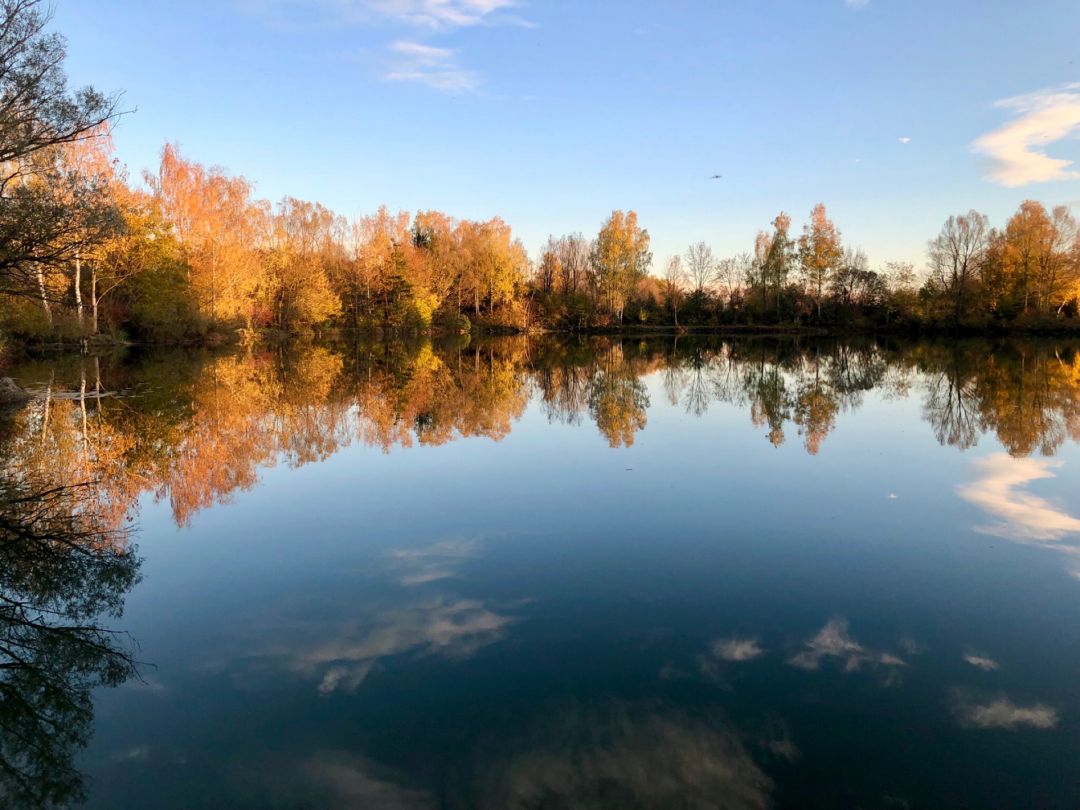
(551, 114)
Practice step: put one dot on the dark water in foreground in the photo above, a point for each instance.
(533, 574)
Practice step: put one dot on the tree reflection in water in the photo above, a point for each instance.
(203, 425)
(61, 572)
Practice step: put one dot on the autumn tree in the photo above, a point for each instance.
(218, 226)
(819, 253)
(433, 267)
(65, 207)
(496, 264)
(1029, 235)
(300, 262)
(142, 264)
(620, 258)
(94, 187)
(39, 233)
(369, 281)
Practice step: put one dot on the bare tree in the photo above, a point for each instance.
(955, 254)
(548, 269)
(573, 254)
(1060, 270)
(732, 275)
(674, 281)
(700, 266)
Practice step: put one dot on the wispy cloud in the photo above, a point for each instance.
(442, 14)
(437, 68)
(834, 641)
(904, 139)
(436, 15)
(339, 655)
(1001, 491)
(1002, 713)
(1016, 150)
(855, 5)
(432, 563)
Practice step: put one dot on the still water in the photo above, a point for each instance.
(546, 574)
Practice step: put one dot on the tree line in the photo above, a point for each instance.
(1025, 274)
(187, 252)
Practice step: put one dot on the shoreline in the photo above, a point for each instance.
(12, 346)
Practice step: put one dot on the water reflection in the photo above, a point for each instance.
(834, 641)
(570, 755)
(1002, 713)
(63, 568)
(682, 654)
(199, 426)
(1002, 492)
(624, 755)
(339, 656)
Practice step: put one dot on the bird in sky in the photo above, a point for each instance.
(716, 177)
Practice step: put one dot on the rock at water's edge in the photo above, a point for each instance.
(11, 393)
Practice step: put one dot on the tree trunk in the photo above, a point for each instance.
(44, 296)
(78, 288)
(93, 301)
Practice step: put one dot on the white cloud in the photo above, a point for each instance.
(1004, 714)
(437, 68)
(904, 139)
(1001, 491)
(424, 55)
(1016, 149)
(855, 5)
(737, 649)
(981, 662)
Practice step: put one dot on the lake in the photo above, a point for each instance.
(543, 573)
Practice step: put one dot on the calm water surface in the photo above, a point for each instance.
(543, 574)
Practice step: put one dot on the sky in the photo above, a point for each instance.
(551, 114)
